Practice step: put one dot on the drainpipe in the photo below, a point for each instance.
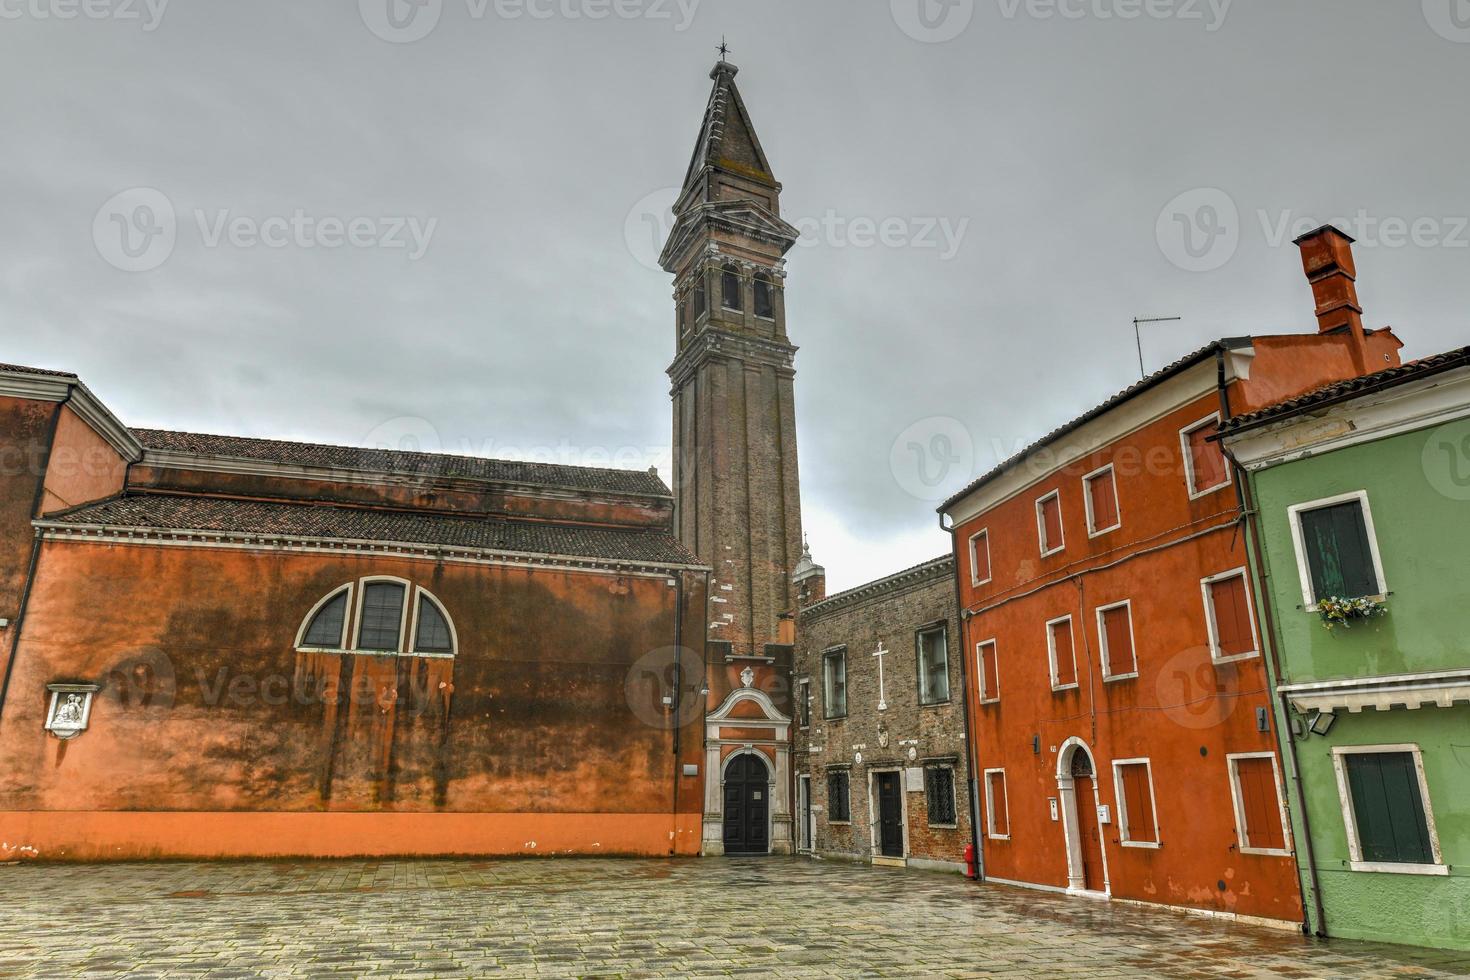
(25, 595)
(678, 694)
(972, 787)
(1246, 500)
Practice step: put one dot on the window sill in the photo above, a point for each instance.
(1055, 551)
(944, 826)
(1004, 837)
(1235, 658)
(1057, 689)
(768, 319)
(1314, 608)
(839, 823)
(975, 585)
(1102, 531)
(375, 653)
(1110, 678)
(834, 717)
(1400, 869)
(990, 700)
(1284, 852)
(935, 704)
(1146, 845)
(1197, 494)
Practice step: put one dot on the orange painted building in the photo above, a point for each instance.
(220, 647)
(1118, 694)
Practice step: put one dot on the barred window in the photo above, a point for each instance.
(939, 790)
(839, 806)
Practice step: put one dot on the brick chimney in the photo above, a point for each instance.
(1327, 257)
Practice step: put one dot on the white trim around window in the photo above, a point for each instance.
(990, 805)
(1041, 524)
(403, 611)
(1194, 494)
(1102, 642)
(1212, 626)
(420, 596)
(986, 696)
(1153, 802)
(311, 616)
(975, 580)
(1304, 569)
(1051, 653)
(1240, 824)
(1345, 797)
(1093, 531)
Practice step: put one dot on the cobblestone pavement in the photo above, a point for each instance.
(560, 918)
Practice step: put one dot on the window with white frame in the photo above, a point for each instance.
(1100, 492)
(1115, 637)
(1205, 467)
(1336, 548)
(933, 657)
(997, 807)
(1062, 652)
(1230, 616)
(1049, 523)
(1385, 807)
(391, 617)
(834, 683)
(1138, 819)
(1260, 811)
(980, 557)
(987, 669)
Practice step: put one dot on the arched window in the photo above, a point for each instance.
(730, 288)
(765, 304)
(392, 617)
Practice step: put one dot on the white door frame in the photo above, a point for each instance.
(875, 849)
(1072, 819)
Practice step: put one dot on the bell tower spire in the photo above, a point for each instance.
(737, 500)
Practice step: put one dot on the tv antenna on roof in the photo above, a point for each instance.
(1138, 336)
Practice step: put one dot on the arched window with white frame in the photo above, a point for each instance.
(379, 615)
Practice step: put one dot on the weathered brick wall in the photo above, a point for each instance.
(891, 610)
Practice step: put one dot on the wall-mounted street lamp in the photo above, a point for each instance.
(1321, 722)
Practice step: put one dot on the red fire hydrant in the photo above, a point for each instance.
(970, 861)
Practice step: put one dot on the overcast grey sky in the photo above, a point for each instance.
(992, 190)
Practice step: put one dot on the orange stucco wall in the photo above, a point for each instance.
(82, 466)
(540, 727)
(25, 427)
(1182, 712)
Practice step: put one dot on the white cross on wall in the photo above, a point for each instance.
(882, 701)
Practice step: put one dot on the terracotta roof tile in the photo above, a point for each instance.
(1352, 386)
(399, 462)
(210, 514)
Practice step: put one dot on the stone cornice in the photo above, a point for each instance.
(55, 388)
(939, 569)
(712, 344)
(296, 544)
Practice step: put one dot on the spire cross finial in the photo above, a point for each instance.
(723, 49)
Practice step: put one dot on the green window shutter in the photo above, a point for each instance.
(1338, 553)
(1388, 808)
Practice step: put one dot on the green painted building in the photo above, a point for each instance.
(1360, 503)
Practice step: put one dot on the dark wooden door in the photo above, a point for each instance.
(890, 815)
(747, 805)
(1086, 800)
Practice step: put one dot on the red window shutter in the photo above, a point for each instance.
(980, 548)
(1104, 497)
(1207, 461)
(989, 671)
(1119, 633)
(1061, 638)
(1138, 803)
(1232, 617)
(1002, 826)
(1257, 783)
(1051, 523)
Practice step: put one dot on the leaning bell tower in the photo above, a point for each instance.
(737, 501)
